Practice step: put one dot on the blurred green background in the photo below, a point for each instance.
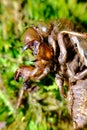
(45, 109)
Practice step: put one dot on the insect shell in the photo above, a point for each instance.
(56, 47)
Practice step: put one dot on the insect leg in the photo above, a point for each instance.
(44, 73)
(20, 97)
(52, 42)
(81, 75)
(59, 81)
(83, 35)
(63, 51)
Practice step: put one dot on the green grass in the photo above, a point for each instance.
(42, 110)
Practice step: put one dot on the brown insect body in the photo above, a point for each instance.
(77, 103)
(57, 47)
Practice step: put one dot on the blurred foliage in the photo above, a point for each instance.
(45, 109)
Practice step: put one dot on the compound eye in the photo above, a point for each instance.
(44, 28)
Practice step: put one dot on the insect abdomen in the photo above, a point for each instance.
(77, 103)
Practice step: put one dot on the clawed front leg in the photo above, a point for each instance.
(44, 73)
(24, 72)
(36, 73)
(30, 74)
